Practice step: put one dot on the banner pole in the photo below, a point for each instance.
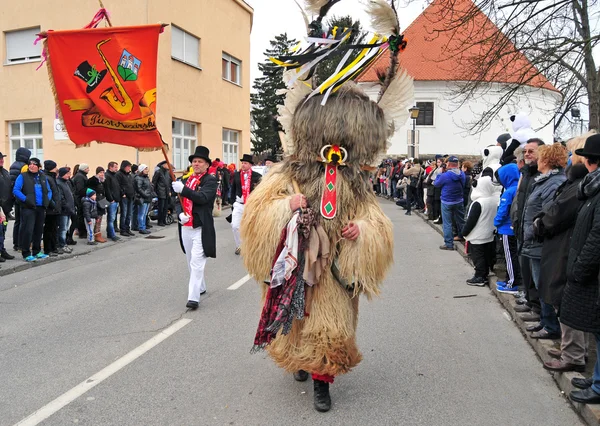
(107, 17)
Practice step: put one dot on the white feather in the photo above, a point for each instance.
(384, 19)
(304, 16)
(398, 98)
(293, 98)
(314, 6)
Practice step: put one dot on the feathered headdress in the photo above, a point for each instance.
(396, 92)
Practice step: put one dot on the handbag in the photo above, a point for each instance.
(102, 203)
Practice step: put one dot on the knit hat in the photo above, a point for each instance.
(99, 169)
(125, 163)
(49, 165)
(63, 171)
(89, 192)
(84, 167)
(35, 161)
(134, 168)
(141, 168)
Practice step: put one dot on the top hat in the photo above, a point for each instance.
(201, 152)
(591, 147)
(247, 158)
(90, 75)
(271, 158)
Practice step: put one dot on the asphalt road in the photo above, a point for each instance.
(429, 358)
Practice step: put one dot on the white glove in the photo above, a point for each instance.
(183, 218)
(177, 186)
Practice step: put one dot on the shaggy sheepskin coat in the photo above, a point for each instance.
(324, 342)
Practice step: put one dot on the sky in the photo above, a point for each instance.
(274, 17)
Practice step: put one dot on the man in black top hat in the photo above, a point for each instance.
(196, 226)
(244, 182)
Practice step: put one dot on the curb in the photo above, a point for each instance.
(18, 265)
(589, 413)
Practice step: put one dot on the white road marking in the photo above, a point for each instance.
(239, 283)
(74, 393)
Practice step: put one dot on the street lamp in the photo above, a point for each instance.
(576, 114)
(414, 114)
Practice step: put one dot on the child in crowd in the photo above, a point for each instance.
(479, 229)
(508, 176)
(90, 214)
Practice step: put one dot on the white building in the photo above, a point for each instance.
(441, 124)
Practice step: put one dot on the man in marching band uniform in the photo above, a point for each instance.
(244, 182)
(196, 226)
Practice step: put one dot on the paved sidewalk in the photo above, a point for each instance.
(590, 413)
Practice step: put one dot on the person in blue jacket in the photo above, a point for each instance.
(34, 193)
(508, 176)
(452, 183)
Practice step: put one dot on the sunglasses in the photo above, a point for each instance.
(530, 151)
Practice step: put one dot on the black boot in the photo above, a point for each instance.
(4, 254)
(300, 375)
(321, 396)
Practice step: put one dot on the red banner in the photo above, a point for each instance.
(105, 84)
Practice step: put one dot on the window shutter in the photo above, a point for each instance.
(177, 36)
(19, 45)
(192, 50)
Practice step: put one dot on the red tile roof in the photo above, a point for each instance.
(435, 53)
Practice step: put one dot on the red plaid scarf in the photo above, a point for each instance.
(277, 298)
(246, 178)
(188, 204)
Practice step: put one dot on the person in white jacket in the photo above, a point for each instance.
(479, 229)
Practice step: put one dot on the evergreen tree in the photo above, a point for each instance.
(326, 67)
(265, 99)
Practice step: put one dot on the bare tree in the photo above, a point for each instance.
(555, 37)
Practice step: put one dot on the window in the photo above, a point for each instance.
(184, 142)
(232, 68)
(185, 47)
(26, 134)
(20, 48)
(425, 114)
(231, 139)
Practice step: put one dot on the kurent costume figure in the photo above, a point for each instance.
(196, 226)
(244, 182)
(313, 225)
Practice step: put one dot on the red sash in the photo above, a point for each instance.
(188, 204)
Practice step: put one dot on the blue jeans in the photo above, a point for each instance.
(111, 214)
(596, 375)
(3, 228)
(141, 216)
(548, 315)
(63, 227)
(450, 213)
(90, 230)
(126, 211)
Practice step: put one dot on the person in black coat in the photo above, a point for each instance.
(22, 157)
(555, 227)
(96, 183)
(580, 308)
(162, 186)
(80, 184)
(244, 182)
(112, 191)
(52, 212)
(127, 195)
(6, 202)
(197, 234)
(67, 204)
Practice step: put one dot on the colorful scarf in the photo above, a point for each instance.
(246, 178)
(286, 301)
(188, 204)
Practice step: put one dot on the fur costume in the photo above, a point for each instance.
(324, 342)
(522, 130)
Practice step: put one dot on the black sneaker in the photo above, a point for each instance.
(71, 242)
(115, 239)
(144, 232)
(131, 234)
(477, 281)
(445, 247)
